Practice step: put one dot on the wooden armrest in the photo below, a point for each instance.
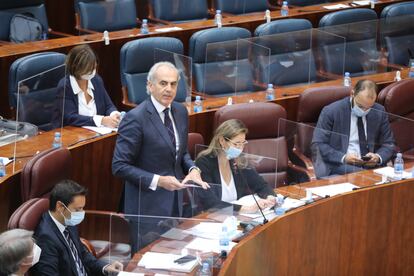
(306, 161)
(158, 21)
(88, 246)
(125, 101)
(3, 42)
(301, 171)
(85, 31)
(59, 34)
(329, 75)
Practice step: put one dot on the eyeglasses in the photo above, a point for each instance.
(237, 144)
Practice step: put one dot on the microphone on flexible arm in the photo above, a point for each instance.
(237, 171)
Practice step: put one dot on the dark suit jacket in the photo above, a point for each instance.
(104, 105)
(143, 148)
(56, 257)
(335, 119)
(246, 180)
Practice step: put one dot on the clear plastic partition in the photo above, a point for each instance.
(253, 66)
(107, 15)
(320, 158)
(294, 58)
(395, 136)
(362, 57)
(218, 75)
(184, 66)
(397, 39)
(37, 106)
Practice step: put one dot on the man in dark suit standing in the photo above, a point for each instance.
(62, 251)
(151, 152)
(354, 133)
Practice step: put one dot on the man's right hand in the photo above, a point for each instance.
(353, 159)
(170, 183)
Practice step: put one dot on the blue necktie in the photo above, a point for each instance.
(168, 124)
(79, 266)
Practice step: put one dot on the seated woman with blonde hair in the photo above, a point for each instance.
(222, 164)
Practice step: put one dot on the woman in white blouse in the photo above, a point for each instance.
(221, 164)
(86, 102)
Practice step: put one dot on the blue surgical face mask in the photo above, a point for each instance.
(357, 111)
(232, 152)
(75, 217)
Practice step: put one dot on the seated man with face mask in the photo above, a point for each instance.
(354, 133)
(57, 235)
(221, 163)
(18, 252)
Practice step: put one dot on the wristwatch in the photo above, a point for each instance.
(195, 168)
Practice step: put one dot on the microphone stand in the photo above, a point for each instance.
(237, 170)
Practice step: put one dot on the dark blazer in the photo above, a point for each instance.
(56, 257)
(246, 180)
(336, 120)
(143, 148)
(104, 105)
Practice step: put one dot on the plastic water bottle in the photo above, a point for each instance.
(284, 11)
(279, 210)
(270, 92)
(198, 104)
(267, 16)
(398, 167)
(122, 115)
(347, 80)
(144, 26)
(204, 270)
(217, 19)
(411, 72)
(224, 240)
(412, 172)
(57, 142)
(2, 168)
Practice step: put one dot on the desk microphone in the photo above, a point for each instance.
(237, 170)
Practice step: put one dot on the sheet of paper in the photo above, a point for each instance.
(101, 130)
(336, 7)
(332, 190)
(389, 172)
(209, 230)
(246, 200)
(266, 212)
(165, 30)
(361, 3)
(291, 203)
(124, 273)
(206, 245)
(5, 160)
(153, 260)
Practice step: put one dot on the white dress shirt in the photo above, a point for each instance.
(228, 190)
(160, 109)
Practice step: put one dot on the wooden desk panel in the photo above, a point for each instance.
(365, 232)
(109, 55)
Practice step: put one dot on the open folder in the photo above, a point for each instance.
(153, 260)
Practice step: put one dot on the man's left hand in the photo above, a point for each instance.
(195, 176)
(114, 268)
(373, 161)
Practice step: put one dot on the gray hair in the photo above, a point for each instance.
(154, 69)
(15, 245)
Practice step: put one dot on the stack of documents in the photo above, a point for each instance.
(206, 245)
(209, 230)
(336, 7)
(389, 173)
(153, 260)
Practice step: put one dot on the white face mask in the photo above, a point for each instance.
(89, 76)
(36, 254)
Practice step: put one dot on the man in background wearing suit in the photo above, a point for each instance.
(151, 153)
(354, 133)
(62, 251)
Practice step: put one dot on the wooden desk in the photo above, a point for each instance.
(91, 167)
(109, 55)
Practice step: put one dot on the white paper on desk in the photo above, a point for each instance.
(332, 190)
(165, 30)
(206, 245)
(291, 203)
(101, 130)
(248, 200)
(209, 230)
(336, 7)
(389, 172)
(5, 160)
(175, 234)
(124, 273)
(362, 3)
(153, 260)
